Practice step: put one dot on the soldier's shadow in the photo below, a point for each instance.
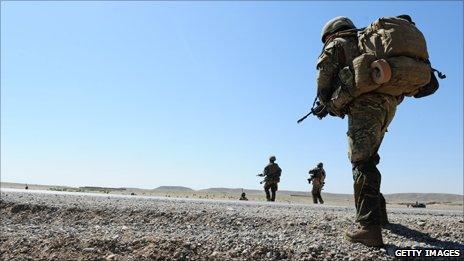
(419, 237)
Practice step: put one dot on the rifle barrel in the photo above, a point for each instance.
(304, 117)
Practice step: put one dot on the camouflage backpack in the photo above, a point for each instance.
(393, 60)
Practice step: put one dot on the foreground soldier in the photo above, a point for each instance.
(368, 118)
(317, 178)
(271, 176)
(365, 74)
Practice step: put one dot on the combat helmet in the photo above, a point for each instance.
(272, 158)
(320, 165)
(336, 24)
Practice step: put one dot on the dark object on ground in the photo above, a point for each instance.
(417, 205)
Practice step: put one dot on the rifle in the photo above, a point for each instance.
(261, 175)
(312, 174)
(304, 117)
(317, 109)
(310, 179)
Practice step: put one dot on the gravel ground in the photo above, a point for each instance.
(65, 226)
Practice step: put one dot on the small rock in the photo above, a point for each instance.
(88, 249)
(111, 257)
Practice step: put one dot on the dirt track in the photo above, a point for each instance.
(72, 226)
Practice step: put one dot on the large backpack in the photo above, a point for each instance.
(392, 36)
(402, 47)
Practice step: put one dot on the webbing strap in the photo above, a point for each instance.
(440, 74)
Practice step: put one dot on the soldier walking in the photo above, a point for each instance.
(271, 176)
(370, 102)
(317, 177)
(368, 118)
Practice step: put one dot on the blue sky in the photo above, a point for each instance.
(199, 94)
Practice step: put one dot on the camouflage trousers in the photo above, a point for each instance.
(368, 118)
(316, 192)
(270, 185)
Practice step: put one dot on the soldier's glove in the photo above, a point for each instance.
(320, 111)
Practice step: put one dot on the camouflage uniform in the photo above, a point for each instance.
(272, 177)
(368, 118)
(318, 183)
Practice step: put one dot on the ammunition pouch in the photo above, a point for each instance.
(346, 76)
(339, 102)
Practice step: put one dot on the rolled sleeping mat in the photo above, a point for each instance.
(381, 71)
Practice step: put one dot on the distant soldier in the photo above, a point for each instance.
(271, 176)
(243, 196)
(317, 177)
(27, 187)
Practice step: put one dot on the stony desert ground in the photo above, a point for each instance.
(85, 226)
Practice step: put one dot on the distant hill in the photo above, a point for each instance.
(174, 188)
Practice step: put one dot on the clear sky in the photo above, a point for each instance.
(200, 94)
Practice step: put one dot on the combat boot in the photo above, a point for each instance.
(370, 236)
